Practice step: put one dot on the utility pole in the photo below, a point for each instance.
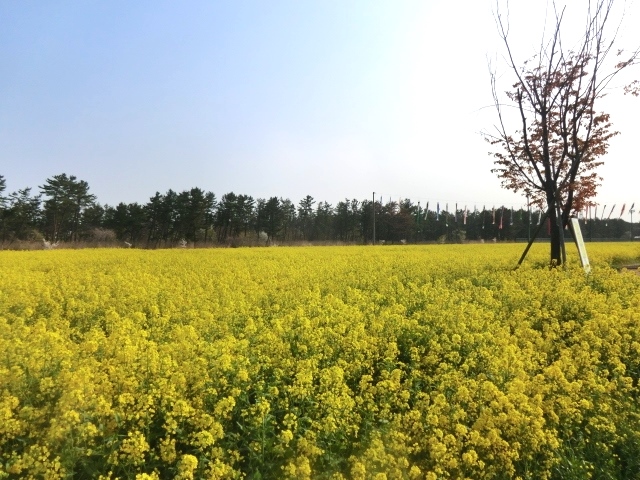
(418, 220)
(373, 205)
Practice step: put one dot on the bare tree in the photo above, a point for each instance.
(551, 149)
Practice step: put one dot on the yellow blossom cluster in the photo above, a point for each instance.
(407, 362)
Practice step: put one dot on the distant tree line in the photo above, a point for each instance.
(63, 210)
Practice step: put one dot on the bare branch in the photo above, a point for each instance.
(556, 145)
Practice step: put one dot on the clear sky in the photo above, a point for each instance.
(333, 99)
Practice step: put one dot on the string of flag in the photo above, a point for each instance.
(499, 214)
(504, 214)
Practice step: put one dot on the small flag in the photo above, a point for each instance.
(493, 213)
(511, 218)
(455, 215)
(622, 211)
(464, 215)
(604, 211)
(612, 208)
(501, 217)
(438, 213)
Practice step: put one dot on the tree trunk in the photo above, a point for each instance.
(556, 245)
(555, 225)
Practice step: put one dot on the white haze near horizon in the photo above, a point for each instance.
(330, 99)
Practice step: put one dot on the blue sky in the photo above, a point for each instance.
(330, 99)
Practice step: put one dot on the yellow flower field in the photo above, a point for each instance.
(323, 362)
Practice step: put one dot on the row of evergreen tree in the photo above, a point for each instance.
(64, 210)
